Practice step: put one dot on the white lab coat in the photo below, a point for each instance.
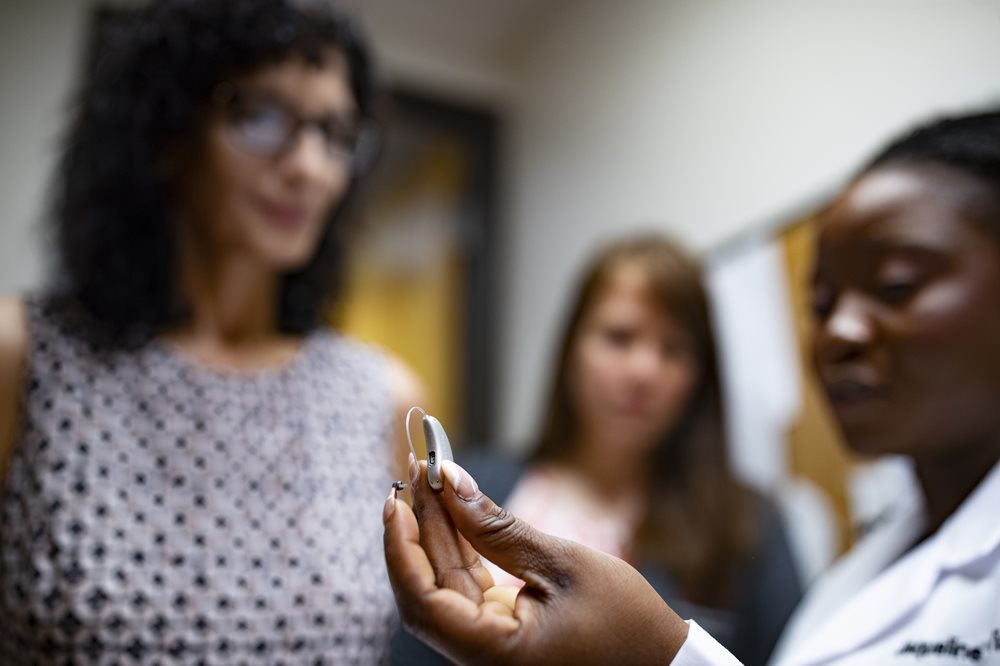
(937, 604)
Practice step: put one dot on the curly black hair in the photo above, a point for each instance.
(151, 77)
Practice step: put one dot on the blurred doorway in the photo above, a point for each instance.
(420, 278)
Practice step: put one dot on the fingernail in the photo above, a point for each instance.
(390, 505)
(414, 471)
(464, 485)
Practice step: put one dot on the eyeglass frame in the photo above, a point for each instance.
(360, 157)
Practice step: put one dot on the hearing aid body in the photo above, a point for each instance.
(438, 446)
(438, 450)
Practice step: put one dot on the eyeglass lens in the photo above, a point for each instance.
(266, 127)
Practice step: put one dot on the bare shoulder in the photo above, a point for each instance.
(13, 335)
(407, 389)
(13, 351)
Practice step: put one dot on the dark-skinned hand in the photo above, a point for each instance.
(578, 606)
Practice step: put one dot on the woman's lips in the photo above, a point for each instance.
(854, 400)
(285, 215)
(635, 410)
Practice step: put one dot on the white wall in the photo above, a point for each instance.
(707, 117)
(39, 44)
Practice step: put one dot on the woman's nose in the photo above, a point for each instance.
(846, 333)
(643, 361)
(309, 159)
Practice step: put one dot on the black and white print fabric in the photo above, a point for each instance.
(158, 512)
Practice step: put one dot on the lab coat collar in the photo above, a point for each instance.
(973, 532)
(968, 538)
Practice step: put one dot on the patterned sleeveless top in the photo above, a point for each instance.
(159, 512)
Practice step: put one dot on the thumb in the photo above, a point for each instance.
(540, 560)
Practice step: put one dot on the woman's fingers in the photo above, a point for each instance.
(410, 571)
(456, 564)
(579, 606)
(444, 618)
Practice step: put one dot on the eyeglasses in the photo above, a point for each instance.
(262, 124)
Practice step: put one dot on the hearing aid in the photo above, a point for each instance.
(438, 450)
(438, 446)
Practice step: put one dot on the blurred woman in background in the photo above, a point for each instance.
(632, 459)
(632, 455)
(190, 458)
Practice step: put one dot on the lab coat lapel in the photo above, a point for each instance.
(976, 534)
(892, 598)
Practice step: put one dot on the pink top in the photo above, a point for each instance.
(558, 501)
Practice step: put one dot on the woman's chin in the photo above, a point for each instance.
(286, 251)
(287, 257)
(631, 438)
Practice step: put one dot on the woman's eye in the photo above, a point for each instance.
(820, 308)
(262, 127)
(821, 303)
(340, 137)
(674, 349)
(618, 337)
(896, 291)
(897, 278)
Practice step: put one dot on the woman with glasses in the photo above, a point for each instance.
(189, 458)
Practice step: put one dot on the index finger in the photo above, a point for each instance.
(456, 564)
